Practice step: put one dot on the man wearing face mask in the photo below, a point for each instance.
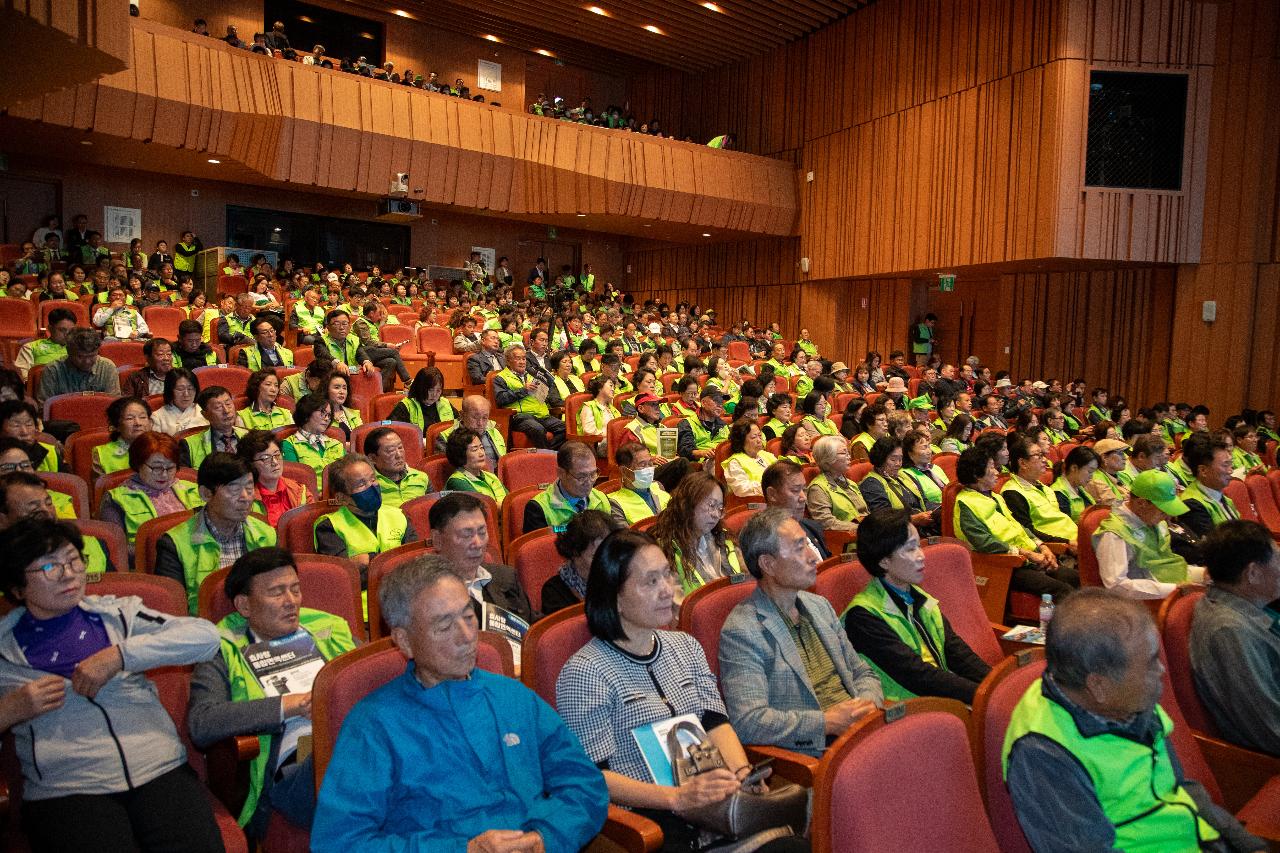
(397, 481)
(220, 532)
(364, 526)
(639, 497)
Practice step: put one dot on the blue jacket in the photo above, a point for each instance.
(454, 761)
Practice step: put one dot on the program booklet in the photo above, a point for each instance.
(504, 622)
(652, 740)
(667, 442)
(285, 665)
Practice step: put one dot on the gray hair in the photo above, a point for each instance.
(84, 341)
(401, 587)
(759, 536)
(825, 449)
(506, 353)
(1088, 635)
(338, 470)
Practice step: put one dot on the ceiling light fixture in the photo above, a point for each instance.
(86, 141)
(214, 162)
(402, 13)
(706, 235)
(546, 53)
(713, 7)
(305, 19)
(651, 28)
(366, 35)
(581, 215)
(596, 10)
(493, 38)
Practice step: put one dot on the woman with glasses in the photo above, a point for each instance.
(129, 417)
(276, 493)
(14, 456)
(71, 662)
(262, 412)
(691, 530)
(19, 419)
(153, 490)
(309, 445)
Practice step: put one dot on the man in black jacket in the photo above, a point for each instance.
(460, 533)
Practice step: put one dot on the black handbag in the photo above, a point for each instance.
(743, 814)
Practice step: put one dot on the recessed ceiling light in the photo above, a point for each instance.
(305, 19)
(651, 28)
(646, 225)
(542, 52)
(403, 14)
(492, 38)
(86, 141)
(713, 7)
(581, 214)
(214, 162)
(596, 10)
(706, 235)
(366, 35)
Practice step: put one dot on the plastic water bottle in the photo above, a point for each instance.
(1046, 612)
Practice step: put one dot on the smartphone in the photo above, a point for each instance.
(757, 774)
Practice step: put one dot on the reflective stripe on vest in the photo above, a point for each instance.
(359, 539)
(1046, 516)
(875, 599)
(1135, 784)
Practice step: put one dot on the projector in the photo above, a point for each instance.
(398, 210)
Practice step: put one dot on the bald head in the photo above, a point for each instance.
(475, 413)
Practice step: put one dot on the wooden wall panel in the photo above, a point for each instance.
(55, 45)
(361, 121)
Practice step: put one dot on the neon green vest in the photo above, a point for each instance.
(1135, 784)
(444, 411)
(1154, 554)
(359, 539)
(1180, 472)
(992, 512)
(200, 558)
(112, 456)
(309, 320)
(875, 599)
(558, 512)
(565, 387)
(237, 326)
(492, 431)
(603, 415)
(50, 460)
(344, 353)
(925, 485)
(45, 351)
(253, 357)
(1219, 512)
(200, 445)
(702, 438)
(1241, 458)
(647, 433)
(315, 460)
(332, 636)
(488, 484)
(633, 506)
(254, 419)
(894, 500)
(824, 426)
(776, 427)
(138, 508)
(753, 468)
(1045, 514)
(689, 580)
(1079, 501)
(528, 404)
(414, 484)
(1108, 483)
(842, 506)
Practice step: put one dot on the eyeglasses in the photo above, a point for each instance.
(57, 568)
(269, 457)
(585, 476)
(161, 470)
(7, 467)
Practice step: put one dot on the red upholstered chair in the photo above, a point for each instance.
(380, 565)
(396, 333)
(433, 432)
(79, 449)
(1090, 575)
(1264, 503)
(163, 594)
(73, 486)
(536, 561)
(112, 539)
(703, 611)
(947, 462)
(17, 317)
(89, 409)
(149, 533)
(513, 514)
(419, 511)
(163, 320)
(381, 406)
(1239, 494)
(301, 473)
(858, 470)
(911, 760)
(296, 528)
(840, 578)
(80, 311)
(331, 584)
(1273, 479)
(736, 519)
(234, 379)
(613, 439)
(948, 577)
(436, 339)
(527, 467)
(409, 434)
(437, 469)
(364, 387)
(548, 645)
(991, 571)
(121, 353)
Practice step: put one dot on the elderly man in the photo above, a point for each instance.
(489, 358)
(1088, 756)
(220, 532)
(1209, 461)
(783, 486)
(219, 409)
(82, 369)
(340, 349)
(50, 349)
(1235, 649)
(471, 760)
(150, 379)
(639, 497)
(235, 328)
(573, 490)
(368, 329)
(364, 524)
(460, 534)
(475, 416)
(789, 674)
(307, 317)
(516, 388)
(1135, 554)
(25, 497)
(240, 692)
(399, 482)
(699, 435)
(266, 351)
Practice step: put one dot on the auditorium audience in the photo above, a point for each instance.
(364, 524)
(1133, 543)
(81, 370)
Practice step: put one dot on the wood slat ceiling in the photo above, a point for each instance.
(693, 37)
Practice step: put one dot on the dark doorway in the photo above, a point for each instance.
(306, 238)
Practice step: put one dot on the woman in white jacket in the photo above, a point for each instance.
(102, 763)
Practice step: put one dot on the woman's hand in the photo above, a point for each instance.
(703, 790)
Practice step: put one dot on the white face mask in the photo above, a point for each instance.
(643, 478)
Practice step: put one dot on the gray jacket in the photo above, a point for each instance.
(762, 676)
(123, 737)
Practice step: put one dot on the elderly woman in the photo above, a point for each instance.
(153, 490)
(721, 375)
(118, 319)
(466, 455)
(1105, 487)
(744, 468)
(634, 673)
(577, 543)
(424, 403)
(797, 444)
(875, 425)
(561, 365)
(20, 420)
(778, 408)
(338, 389)
(816, 407)
(1074, 474)
(276, 493)
(262, 412)
(692, 534)
(179, 412)
(959, 432)
(595, 414)
(919, 474)
(128, 417)
(834, 501)
(897, 627)
(309, 445)
(883, 488)
(77, 663)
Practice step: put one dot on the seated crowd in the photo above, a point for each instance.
(685, 451)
